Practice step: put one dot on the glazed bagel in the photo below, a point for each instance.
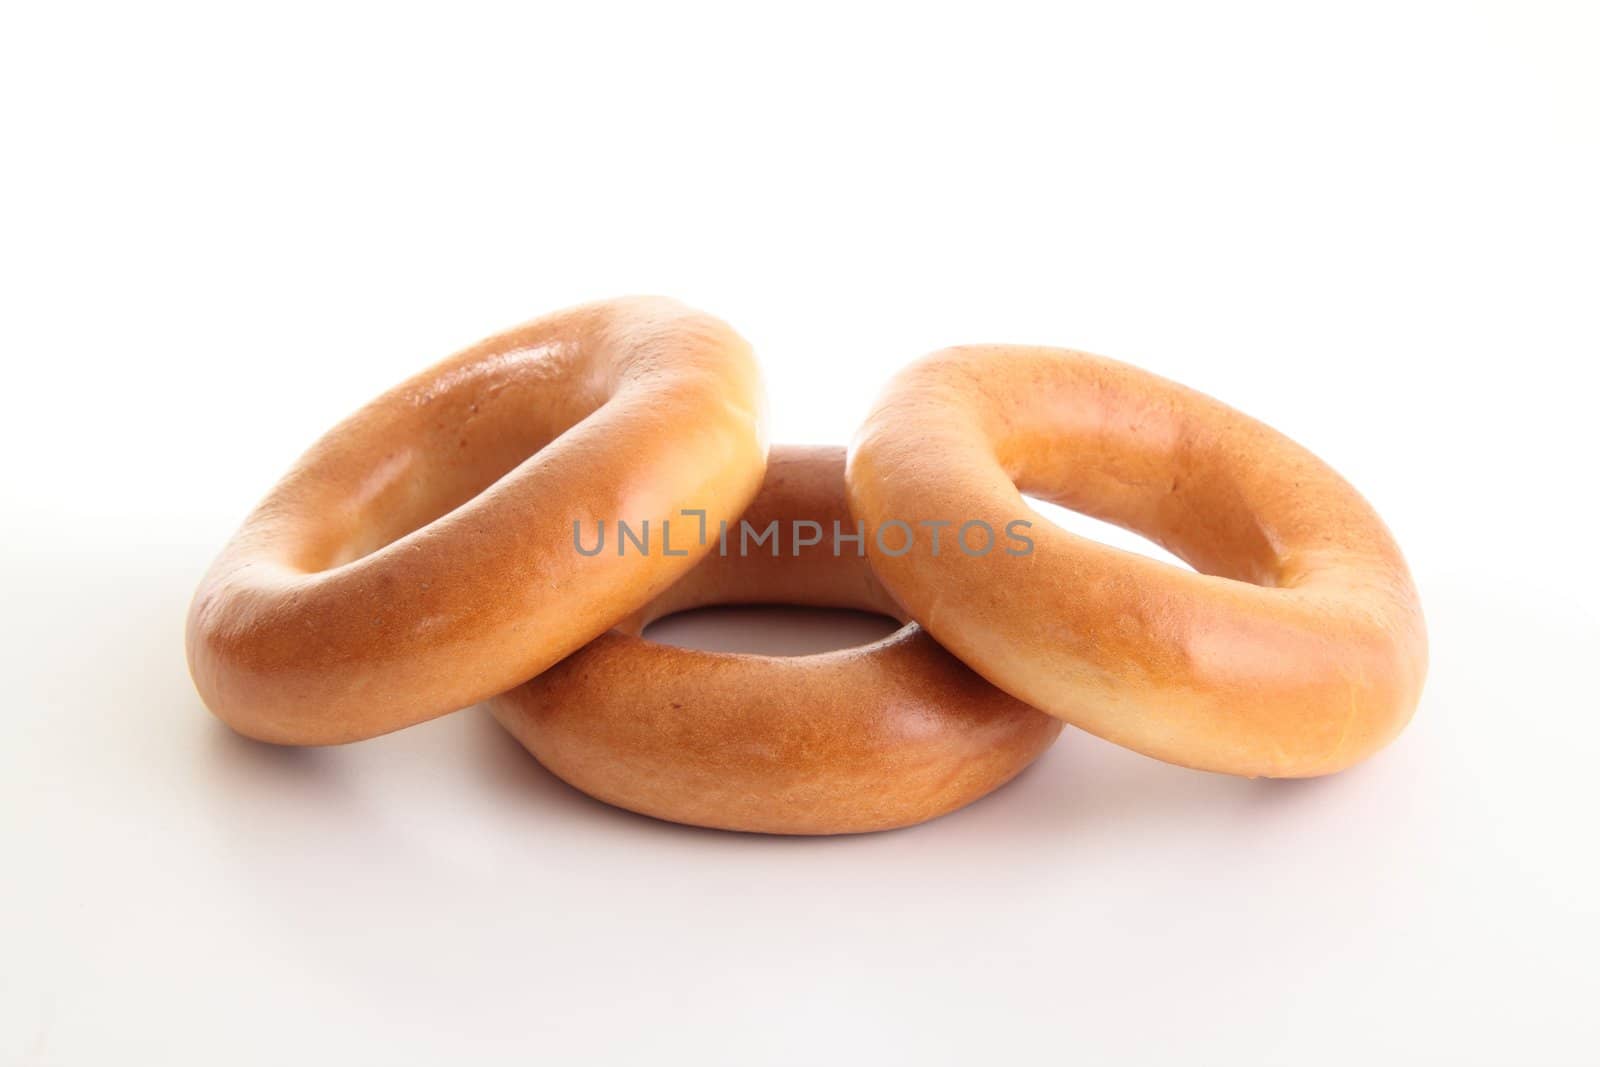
(423, 555)
(860, 739)
(1299, 647)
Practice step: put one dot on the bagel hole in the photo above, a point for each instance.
(770, 629)
(1106, 533)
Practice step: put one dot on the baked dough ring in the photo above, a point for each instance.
(1297, 650)
(859, 739)
(421, 557)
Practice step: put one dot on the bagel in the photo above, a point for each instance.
(859, 739)
(1295, 648)
(421, 556)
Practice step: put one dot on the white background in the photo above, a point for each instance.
(1374, 226)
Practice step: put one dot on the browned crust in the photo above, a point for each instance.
(419, 558)
(1297, 650)
(861, 739)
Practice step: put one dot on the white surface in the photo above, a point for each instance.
(1375, 227)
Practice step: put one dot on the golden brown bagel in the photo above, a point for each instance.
(1297, 650)
(860, 739)
(421, 557)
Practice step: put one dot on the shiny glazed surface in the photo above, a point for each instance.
(420, 557)
(1297, 650)
(870, 738)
